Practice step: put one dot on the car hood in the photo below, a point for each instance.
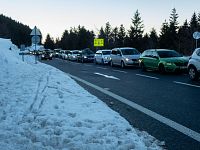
(174, 59)
(132, 56)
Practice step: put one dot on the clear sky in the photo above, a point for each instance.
(54, 16)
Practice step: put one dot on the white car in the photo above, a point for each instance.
(73, 55)
(123, 57)
(102, 56)
(194, 65)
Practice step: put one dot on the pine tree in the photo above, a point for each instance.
(194, 23)
(114, 38)
(173, 27)
(122, 36)
(153, 39)
(64, 42)
(184, 39)
(49, 43)
(136, 31)
(108, 33)
(164, 35)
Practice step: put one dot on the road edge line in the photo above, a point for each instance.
(190, 133)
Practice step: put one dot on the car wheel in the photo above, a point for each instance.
(95, 61)
(122, 64)
(193, 74)
(111, 63)
(102, 62)
(161, 69)
(143, 67)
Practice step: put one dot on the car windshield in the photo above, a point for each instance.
(168, 54)
(129, 52)
(88, 52)
(106, 52)
(75, 52)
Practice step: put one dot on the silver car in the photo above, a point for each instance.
(102, 56)
(123, 57)
(194, 65)
(73, 55)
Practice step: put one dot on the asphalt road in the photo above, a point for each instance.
(172, 96)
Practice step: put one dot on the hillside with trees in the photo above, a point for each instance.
(17, 32)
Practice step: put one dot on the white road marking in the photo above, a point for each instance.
(107, 89)
(102, 68)
(120, 71)
(107, 76)
(182, 83)
(188, 132)
(142, 75)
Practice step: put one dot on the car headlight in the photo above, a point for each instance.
(85, 57)
(169, 64)
(127, 59)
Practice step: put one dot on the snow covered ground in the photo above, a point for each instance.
(43, 108)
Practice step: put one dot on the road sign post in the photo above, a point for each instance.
(35, 39)
(196, 36)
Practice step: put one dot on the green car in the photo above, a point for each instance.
(163, 60)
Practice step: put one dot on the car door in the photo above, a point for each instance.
(113, 56)
(154, 60)
(118, 57)
(146, 59)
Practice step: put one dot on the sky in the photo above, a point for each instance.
(55, 16)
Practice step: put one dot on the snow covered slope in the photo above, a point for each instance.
(43, 108)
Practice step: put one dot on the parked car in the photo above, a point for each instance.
(85, 55)
(65, 54)
(102, 56)
(56, 52)
(194, 65)
(73, 55)
(163, 60)
(124, 57)
(46, 55)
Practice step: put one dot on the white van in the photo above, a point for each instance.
(123, 57)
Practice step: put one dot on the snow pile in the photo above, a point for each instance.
(43, 108)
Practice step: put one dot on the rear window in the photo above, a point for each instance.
(130, 51)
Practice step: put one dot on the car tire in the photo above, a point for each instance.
(95, 61)
(122, 65)
(161, 69)
(142, 66)
(111, 63)
(102, 62)
(193, 74)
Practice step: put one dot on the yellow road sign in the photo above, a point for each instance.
(98, 42)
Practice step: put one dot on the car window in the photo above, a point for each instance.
(129, 51)
(198, 52)
(168, 54)
(118, 52)
(154, 54)
(114, 52)
(106, 52)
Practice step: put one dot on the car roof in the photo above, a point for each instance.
(159, 50)
(123, 48)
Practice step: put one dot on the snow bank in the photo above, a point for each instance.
(43, 108)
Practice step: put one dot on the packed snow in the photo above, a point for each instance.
(43, 108)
